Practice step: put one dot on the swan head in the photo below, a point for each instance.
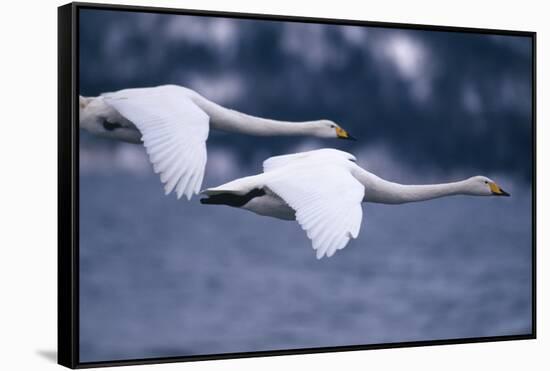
(483, 186)
(98, 118)
(330, 129)
(92, 112)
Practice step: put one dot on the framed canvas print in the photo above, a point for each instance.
(237, 185)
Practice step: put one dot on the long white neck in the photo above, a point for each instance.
(379, 190)
(226, 119)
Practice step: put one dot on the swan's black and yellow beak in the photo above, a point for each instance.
(497, 191)
(342, 134)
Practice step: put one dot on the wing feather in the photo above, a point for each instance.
(174, 132)
(327, 200)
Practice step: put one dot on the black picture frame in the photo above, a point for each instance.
(68, 185)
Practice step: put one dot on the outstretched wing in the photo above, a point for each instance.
(327, 200)
(276, 162)
(174, 131)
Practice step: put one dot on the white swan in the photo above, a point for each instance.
(173, 123)
(323, 191)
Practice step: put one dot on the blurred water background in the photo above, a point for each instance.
(160, 277)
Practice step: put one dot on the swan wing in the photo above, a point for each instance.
(277, 162)
(327, 201)
(174, 132)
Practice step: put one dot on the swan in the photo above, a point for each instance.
(173, 124)
(323, 190)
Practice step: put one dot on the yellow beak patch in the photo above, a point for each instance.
(341, 133)
(495, 188)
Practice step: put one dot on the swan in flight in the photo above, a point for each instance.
(323, 190)
(173, 123)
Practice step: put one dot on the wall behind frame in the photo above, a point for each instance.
(29, 183)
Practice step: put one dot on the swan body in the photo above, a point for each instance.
(323, 190)
(173, 122)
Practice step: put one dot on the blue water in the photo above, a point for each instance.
(160, 277)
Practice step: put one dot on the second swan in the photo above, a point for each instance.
(323, 190)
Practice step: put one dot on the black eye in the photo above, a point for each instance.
(333, 126)
(486, 182)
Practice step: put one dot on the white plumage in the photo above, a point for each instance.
(173, 122)
(174, 132)
(323, 191)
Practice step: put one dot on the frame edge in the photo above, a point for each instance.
(67, 326)
(68, 335)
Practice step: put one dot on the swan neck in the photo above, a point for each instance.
(379, 190)
(226, 119)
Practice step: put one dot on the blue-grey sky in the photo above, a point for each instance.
(451, 102)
